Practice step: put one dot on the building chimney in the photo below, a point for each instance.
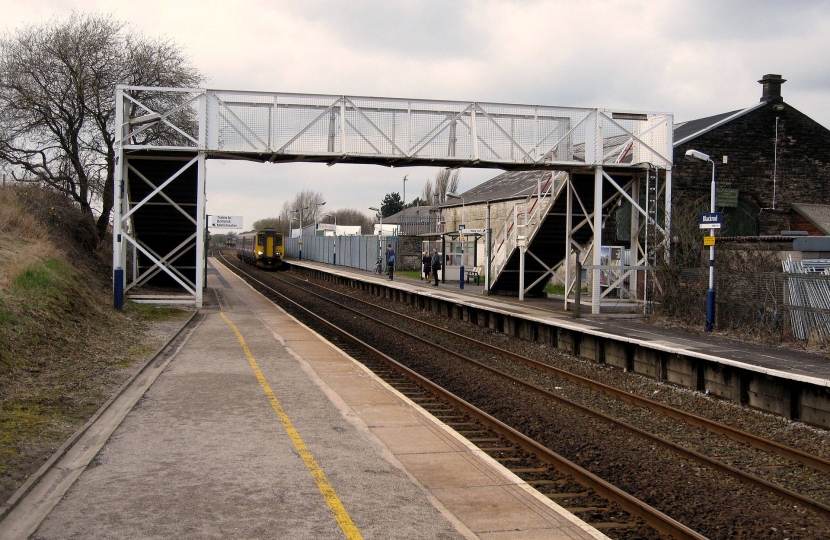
(772, 87)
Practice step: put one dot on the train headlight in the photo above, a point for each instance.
(259, 253)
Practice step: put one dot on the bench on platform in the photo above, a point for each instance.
(475, 274)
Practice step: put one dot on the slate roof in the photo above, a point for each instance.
(817, 214)
(506, 186)
(617, 143)
(411, 211)
(686, 131)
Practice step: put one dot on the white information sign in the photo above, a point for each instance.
(226, 222)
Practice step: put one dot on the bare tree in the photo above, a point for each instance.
(428, 195)
(351, 216)
(307, 201)
(446, 181)
(344, 216)
(57, 101)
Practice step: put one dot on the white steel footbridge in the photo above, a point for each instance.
(165, 136)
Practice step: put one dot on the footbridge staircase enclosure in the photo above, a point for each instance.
(541, 224)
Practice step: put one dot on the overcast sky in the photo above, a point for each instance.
(691, 58)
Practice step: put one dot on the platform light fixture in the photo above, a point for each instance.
(316, 207)
(146, 119)
(695, 155)
(381, 219)
(291, 221)
(300, 241)
(380, 232)
(334, 246)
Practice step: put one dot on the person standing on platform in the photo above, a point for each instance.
(390, 260)
(427, 261)
(435, 264)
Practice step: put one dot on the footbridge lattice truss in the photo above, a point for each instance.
(165, 136)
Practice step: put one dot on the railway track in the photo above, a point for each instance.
(381, 316)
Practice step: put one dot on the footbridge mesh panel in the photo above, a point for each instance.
(171, 123)
(391, 131)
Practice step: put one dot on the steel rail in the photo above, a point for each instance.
(703, 459)
(814, 462)
(651, 516)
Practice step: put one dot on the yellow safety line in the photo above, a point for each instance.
(336, 507)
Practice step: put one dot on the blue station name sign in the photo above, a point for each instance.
(711, 220)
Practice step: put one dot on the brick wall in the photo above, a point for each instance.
(800, 223)
(749, 142)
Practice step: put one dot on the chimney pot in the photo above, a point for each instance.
(772, 87)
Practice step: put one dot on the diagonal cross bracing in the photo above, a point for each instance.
(293, 126)
(285, 127)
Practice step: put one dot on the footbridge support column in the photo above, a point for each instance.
(597, 249)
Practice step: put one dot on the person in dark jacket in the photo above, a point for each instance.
(435, 264)
(390, 260)
(427, 261)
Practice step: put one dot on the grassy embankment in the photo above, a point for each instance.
(63, 349)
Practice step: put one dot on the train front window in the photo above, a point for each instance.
(260, 240)
(278, 240)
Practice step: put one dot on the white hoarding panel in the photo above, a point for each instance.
(226, 222)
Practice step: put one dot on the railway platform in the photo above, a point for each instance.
(790, 383)
(256, 428)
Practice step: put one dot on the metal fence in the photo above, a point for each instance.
(809, 288)
(775, 303)
(417, 225)
(352, 251)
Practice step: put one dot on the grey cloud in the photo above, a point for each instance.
(743, 20)
(422, 29)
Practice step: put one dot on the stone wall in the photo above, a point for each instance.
(803, 164)
(409, 253)
(475, 216)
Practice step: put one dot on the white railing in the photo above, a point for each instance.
(390, 131)
(527, 217)
(200, 124)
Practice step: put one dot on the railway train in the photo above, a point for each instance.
(263, 248)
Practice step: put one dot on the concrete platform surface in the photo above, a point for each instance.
(259, 428)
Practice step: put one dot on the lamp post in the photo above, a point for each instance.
(207, 244)
(380, 232)
(300, 241)
(460, 237)
(301, 219)
(333, 217)
(404, 190)
(694, 155)
(334, 252)
(316, 207)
